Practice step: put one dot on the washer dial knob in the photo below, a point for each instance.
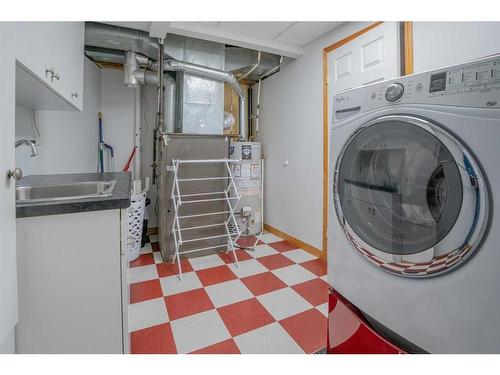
(394, 91)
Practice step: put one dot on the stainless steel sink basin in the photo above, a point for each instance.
(77, 190)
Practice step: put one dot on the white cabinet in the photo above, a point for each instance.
(72, 281)
(8, 278)
(53, 52)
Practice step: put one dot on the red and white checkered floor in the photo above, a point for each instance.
(275, 302)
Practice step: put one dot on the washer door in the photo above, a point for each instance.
(409, 196)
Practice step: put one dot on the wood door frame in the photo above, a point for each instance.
(407, 39)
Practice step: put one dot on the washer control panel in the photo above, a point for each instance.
(474, 85)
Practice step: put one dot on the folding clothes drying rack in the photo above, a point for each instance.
(230, 196)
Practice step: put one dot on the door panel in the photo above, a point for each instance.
(371, 57)
(8, 274)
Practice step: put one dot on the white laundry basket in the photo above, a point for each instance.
(135, 215)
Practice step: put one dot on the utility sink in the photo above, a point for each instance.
(77, 190)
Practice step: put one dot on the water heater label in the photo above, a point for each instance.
(246, 152)
(245, 170)
(255, 171)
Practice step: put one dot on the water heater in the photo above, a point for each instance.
(248, 180)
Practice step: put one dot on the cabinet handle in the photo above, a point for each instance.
(15, 174)
(74, 95)
(53, 73)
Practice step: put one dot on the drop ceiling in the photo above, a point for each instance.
(282, 38)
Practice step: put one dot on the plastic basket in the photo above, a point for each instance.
(135, 215)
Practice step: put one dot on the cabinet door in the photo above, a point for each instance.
(34, 45)
(69, 282)
(58, 46)
(68, 60)
(8, 273)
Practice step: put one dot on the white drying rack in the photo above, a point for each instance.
(230, 195)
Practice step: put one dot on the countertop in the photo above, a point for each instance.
(119, 198)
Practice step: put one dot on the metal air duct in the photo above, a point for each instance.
(214, 74)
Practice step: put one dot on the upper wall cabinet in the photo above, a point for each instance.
(50, 56)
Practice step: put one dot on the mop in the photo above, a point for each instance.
(102, 146)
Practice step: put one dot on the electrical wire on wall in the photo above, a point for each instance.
(36, 131)
(144, 103)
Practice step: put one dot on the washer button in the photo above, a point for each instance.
(394, 91)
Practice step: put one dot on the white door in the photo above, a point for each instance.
(8, 268)
(371, 57)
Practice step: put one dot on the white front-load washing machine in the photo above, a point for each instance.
(414, 232)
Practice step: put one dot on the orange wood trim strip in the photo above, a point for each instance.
(109, 65)
(351, 37)
(326, 137)
(408, 43)
(326, 128)
(295, 241)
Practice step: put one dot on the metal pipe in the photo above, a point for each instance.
(134, 76)
(169, 110)
(215, 74)
(130, 66)
(257, 111)
(272, 70)
(27, 142)
(161, 73)
(159, 112)
(143, 60)
(101, 145)
(250, 71)
(145, 77)
(137, 173)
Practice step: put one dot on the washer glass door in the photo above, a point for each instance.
(399, 188)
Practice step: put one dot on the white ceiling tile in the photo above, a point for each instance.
(267, 30)
(284, 38)
(211, 23)
(304, 32)
(144, 26)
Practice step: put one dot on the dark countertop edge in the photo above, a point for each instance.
(61, 208)
(119, 199)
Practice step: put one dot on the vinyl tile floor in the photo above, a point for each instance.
(274, 302)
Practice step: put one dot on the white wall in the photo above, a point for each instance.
(68, 140)
(8, 346)
(440, 44)
(118, 106)
(121, 107)
(291, 128)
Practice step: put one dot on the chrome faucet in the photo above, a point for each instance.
(27, 142)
